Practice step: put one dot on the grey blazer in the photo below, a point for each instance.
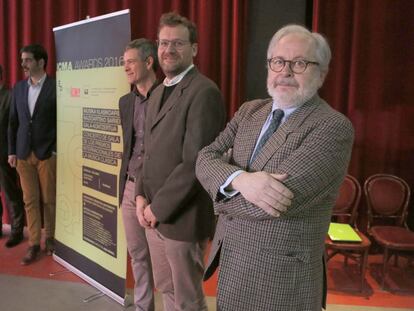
(271, 263)
(190, 119)
(126, 112)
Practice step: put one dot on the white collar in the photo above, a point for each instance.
(40, 82)
(287, 111)
(177, 79)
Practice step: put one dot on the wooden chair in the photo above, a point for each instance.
(346, 211)
(387, 200)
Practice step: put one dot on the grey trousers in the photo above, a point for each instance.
(178, 268)
(139, 252)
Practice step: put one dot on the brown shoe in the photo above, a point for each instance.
(31, 255)
(50, 246)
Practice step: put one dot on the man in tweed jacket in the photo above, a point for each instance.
(274, 199)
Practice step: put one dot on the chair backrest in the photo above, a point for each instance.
(347, 202)
(387, 200)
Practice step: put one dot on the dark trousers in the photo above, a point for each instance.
(14, 197)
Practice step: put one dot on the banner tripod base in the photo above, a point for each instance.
(59, 272)
(93, 297)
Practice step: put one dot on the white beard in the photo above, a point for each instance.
(295, 99)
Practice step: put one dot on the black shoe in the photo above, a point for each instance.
(50, 246)
(31, 255)
(14, 240)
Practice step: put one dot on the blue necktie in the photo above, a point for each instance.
(274, 124)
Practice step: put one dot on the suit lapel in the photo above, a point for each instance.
(279, 137)
(154, 109)
(26, 99)
(42, 95)
(174, 98)
(254, 125)
(129, 122)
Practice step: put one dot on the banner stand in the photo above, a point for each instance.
(124, 301)
(90, 79)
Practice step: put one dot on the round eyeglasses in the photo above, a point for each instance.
(298, 66)
(176, 44)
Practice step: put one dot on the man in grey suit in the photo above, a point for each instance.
(275, 192)
(140, 63)
(32, 146)
(185, 113)
(8, 175)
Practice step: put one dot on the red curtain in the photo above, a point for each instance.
(221, 25)
(371, 80)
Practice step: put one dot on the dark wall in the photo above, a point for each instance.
(265, 18)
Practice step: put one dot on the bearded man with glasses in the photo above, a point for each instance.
(275, 191)
(185, 113)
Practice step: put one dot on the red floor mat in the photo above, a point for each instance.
(342, 282)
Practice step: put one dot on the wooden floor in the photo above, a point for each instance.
(33, 288)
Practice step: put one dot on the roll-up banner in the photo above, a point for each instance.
(90, 79)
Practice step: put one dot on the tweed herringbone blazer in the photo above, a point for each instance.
(269, 263)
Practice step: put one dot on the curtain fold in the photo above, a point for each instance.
(221, 25)
(371, 81)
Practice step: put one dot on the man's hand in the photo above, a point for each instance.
(141, 203)
(150, 217)
(226, 157)
(264, 190)
(12, 160)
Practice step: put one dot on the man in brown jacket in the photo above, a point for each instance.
(184, 114)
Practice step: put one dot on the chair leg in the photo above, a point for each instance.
(328, 255)
(384, 267)
(396, 260)
(364, 263)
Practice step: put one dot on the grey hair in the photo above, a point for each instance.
(146, 48)
(322, 50)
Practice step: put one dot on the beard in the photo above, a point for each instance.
(172, 63)
(295, 98)
(171, 69)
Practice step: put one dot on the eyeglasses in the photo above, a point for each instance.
(298, 66)
(176, 44)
